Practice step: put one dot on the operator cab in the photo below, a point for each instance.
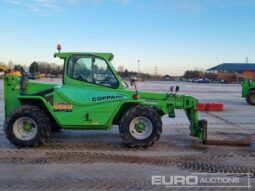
(90, 69)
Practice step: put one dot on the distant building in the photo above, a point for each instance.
(167, 78)
(241, 69)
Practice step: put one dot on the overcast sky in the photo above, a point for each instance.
(175, 35)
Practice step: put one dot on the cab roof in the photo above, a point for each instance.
(64, 55)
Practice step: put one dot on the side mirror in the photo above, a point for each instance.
(133, 80)
(177, 88)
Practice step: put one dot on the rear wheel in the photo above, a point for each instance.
(27, 126)
(251, 97)
(140, 127)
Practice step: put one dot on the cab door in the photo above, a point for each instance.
(90, 92)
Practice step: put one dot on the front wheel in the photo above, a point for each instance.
(140, 127)
(251, 97)
(55, 128)
(27, 126)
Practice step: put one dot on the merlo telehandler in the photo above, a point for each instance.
(92, 97)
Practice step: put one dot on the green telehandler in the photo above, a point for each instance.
(92, 97)
(248, 91)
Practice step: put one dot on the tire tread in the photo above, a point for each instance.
(127, 117)
(35, 113)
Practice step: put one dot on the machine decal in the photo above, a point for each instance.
(151, 101)
(110, 97)
(62, 107)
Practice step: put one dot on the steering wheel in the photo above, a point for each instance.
(82, 78)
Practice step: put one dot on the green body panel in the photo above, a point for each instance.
(12, 91)
(63, 55)
(33, 87)
(82, 105)
(247, 86)
(86, 109)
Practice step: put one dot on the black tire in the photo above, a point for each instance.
(251, 97)
(54, 127)
(140, 111)
(203, 123)
(40, 118)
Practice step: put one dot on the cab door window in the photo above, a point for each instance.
(92, 70)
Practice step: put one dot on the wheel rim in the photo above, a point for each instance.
(141, 127)
(25, 128)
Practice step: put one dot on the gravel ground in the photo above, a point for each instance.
(97, 160)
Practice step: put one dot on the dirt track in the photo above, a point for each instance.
(97, 160)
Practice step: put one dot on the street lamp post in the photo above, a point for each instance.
(138, 72)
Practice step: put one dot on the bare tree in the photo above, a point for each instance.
(10, 64)
(120, 69)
